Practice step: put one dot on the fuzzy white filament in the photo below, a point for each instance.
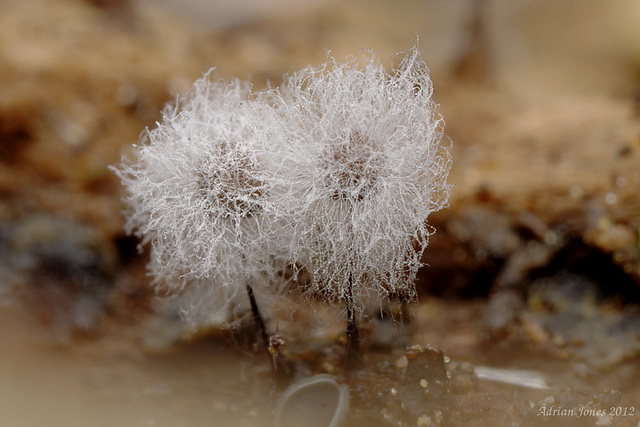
(362, 166)
(196, 192)
(336, 171)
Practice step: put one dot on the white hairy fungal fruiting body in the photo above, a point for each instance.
(336, 171)
(362, 165)
(196, 192)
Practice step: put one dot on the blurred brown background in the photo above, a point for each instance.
(541, 100)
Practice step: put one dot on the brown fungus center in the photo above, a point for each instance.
(229, 184)
(352, 168)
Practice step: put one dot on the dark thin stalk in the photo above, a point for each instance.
(353, 334)
(257, 317)
(271, 344)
